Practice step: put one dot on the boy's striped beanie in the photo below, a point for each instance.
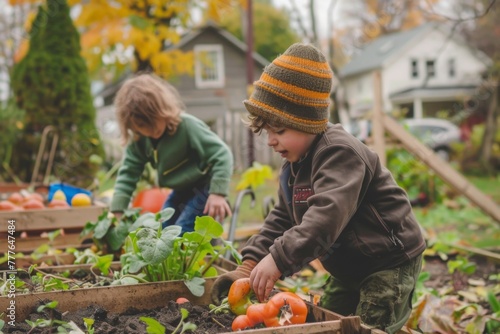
(294, 90)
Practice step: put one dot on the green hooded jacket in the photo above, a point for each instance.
(194, 155)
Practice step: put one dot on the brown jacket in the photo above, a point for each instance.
(344, 208)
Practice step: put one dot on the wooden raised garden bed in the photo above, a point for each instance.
(35, 222)
(149, 297)
(146, 297)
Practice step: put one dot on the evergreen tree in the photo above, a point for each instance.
(52, 85)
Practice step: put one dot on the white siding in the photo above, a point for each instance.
(435, 46)
(397, 70)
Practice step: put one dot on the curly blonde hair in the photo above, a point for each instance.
(257, 124)
(142, 101)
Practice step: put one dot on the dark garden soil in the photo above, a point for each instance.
(208, 322)
(129, 321)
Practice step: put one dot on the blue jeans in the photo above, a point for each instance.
(188, 204)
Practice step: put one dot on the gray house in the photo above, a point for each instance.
(214, 93)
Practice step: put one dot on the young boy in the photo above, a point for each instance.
(189, 158)
(336, 202)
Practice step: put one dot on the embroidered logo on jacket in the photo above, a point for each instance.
(300, 195)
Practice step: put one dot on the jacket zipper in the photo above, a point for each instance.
(175, 167)
(395, 240)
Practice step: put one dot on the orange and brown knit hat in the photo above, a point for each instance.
(294, 90)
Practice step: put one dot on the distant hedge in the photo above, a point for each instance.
(51, 84)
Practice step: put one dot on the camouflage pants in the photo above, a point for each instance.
(382, 300)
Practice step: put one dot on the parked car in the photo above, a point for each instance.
(438, 134)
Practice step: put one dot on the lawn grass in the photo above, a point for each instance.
(247, 213)
(489, 185)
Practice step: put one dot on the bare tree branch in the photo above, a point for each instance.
(475, 17)
(298, 19)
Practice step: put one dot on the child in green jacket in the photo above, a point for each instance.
(189, 158)
(336, 202)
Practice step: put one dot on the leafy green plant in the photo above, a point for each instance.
(461, 264)
(162, 254)
(89, 325)
(62, 326)
(154, 327)
(493, 324)
(414, 176)
(109, 233)
(88, 256)
(50, 282)
(420, 288)
(48, 248)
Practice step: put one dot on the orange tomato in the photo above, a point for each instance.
(256, 313)
(16, 198)
(7, 206)
(32, 204)
(35, 196)
(241, 322)
(285, 308)
(240, 296)
(58, 203)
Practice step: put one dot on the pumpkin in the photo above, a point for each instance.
(151, 200)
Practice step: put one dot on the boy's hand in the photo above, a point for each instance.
(217, 207)
(263, 277)
(223, 282)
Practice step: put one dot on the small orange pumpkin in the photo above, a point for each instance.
(151, 200)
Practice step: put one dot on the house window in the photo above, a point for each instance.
(414, 68)
(451, 67)
(209, 66)
(430, 67)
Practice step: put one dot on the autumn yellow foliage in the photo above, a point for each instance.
(111, 29)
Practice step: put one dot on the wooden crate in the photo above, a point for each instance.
(35, 222)
(6, 189)
(151, 295)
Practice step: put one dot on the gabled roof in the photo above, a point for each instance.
(378, 51)
(223, 33)
(113, 87)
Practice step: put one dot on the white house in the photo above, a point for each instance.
(424, 70)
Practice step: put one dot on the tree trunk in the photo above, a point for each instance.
(490, 128)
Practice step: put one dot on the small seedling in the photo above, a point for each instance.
(62, 326)
(89, 325)
(463, 265)
(154, 327)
